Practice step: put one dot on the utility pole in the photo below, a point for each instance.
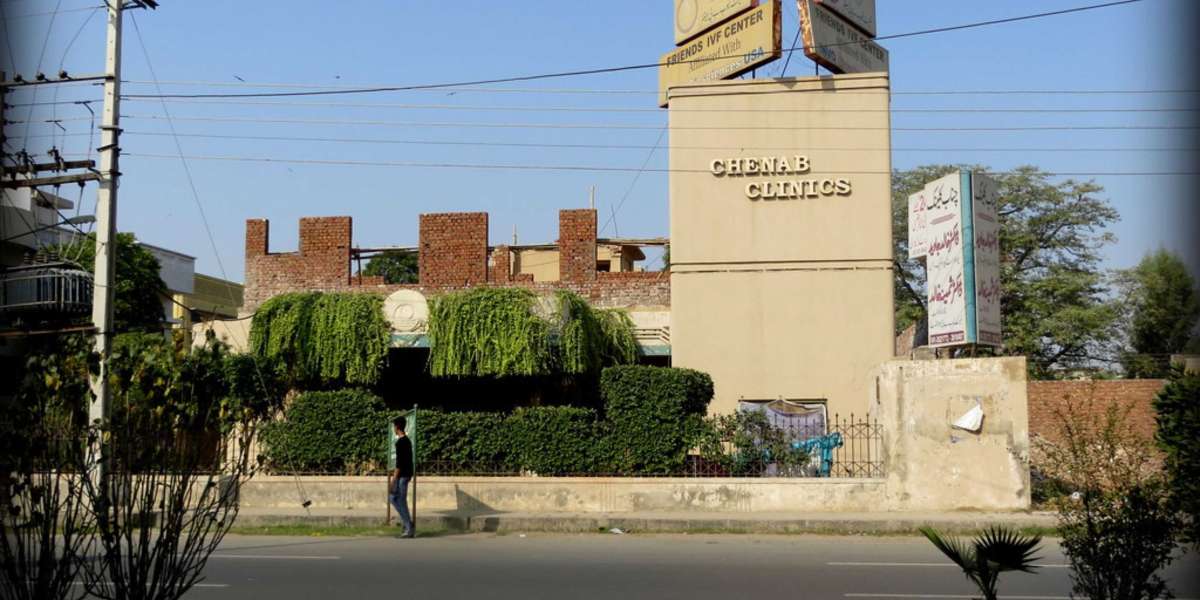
(106, 219)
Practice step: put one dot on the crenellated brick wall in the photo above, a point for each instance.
(454, 249)
(577, 245)
(1092, 398)
(323, 262)
(454, 255)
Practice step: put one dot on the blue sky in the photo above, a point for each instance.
(1132, 47)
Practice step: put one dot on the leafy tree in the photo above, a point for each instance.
(1178, 419)
(1053, 303)
(1162, 306)
(395, 267)
(1119, 526)
(995, 551)
(138, 295)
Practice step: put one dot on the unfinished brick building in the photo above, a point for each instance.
(454, 253)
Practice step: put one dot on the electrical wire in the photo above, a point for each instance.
(51, 13)
(635, 127)
(606, 70)
(636, 176)
(658, 111)
(597, 168)
(599, 146)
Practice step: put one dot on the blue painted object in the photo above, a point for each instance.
(824, 444)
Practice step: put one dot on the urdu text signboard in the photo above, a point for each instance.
(959, 236)
(860, 13)
(694, 17)
(946, 294)
(835, 44)
(739, 45)
(985, 198)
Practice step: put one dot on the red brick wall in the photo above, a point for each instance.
(500, 265)
(323, 262)
(1092, 398)
(454, 256)
(454, 248)
(577, 245)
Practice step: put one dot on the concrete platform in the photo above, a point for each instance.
(882, 523)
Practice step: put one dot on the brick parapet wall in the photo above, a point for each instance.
(454, 249)
(1092, 398)
(323, 263)
(577, 245)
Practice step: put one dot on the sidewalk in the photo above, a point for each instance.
(658, 522)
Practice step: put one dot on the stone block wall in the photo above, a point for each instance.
(1092, 399)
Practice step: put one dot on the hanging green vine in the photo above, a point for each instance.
(488, 332)
(496, 332)
(323, 337)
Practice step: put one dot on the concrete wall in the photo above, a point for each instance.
(781, 297)
(583, 494)
(932, 466)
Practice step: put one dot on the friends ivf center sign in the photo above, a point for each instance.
(779, 178)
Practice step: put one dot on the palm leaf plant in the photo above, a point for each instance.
(996, 550)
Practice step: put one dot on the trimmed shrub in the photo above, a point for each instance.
(462, 442)
(653, 415)
(329, 432)
(556, 440)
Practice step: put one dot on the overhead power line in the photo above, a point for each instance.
(587, 91)
(657, 111)
(604, 70)
(596, 168)
(629, 126)
(600, 146)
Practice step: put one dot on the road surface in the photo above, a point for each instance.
(614, 567)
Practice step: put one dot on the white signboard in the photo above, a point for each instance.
(694, 17)
(946, 282)
(860, 13)
(837, 45)
(986, 231)
(918, 224)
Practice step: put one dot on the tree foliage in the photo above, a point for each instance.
(395, 267)
(323, 337)
(1162, 306)
(1178, 420)
(138, 288)
(1053, 300)
(1119, 526)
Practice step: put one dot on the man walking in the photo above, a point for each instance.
(401, 475)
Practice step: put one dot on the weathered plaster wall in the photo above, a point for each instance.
(934, 466)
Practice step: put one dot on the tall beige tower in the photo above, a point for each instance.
(781, 238)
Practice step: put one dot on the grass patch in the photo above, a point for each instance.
(332, 531)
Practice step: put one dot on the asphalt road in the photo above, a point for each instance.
(614, 567)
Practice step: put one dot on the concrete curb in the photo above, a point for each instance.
(833, 523)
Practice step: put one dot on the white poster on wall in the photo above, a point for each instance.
(945, 285)
(918, 224)
(985, 198)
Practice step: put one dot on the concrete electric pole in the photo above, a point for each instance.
(106, 213)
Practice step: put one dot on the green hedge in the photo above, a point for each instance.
(329, 432)
(558, 440)
(653, 414)
(462, 441)
(652, 417)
